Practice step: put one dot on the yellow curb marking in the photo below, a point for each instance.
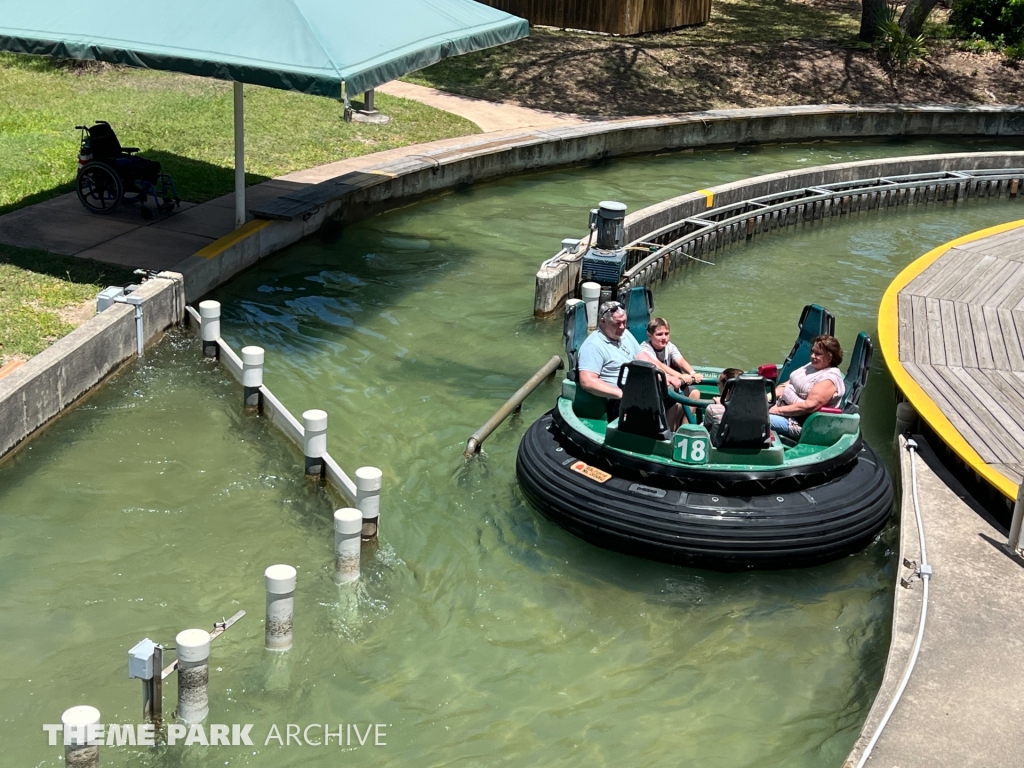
(888, 338)
(218, 246)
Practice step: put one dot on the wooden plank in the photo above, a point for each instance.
(1010, 281)
(1014, 297)
(950, 263)
(971, 406)
(1011, 339)
(950, 266)
(965, 330)
(979, 280)
(950, 336)
(969, 279)
(936, 346)
(1008, 388)
(940, 396)
(1000, 356)
(1006, 273)
(981, 345)
(995, 410)
(1013, 471)
(920, 330)
(905, 318)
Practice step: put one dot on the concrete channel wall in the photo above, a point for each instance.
(397, 177)
(60, 375)
(356, 189)
(559, 278)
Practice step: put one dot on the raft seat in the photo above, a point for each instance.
(824, 429)
(745, 423)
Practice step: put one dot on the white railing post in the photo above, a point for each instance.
(209, 321)
(368, 485)
(314, 441)
(252, 376)
(1018, 518)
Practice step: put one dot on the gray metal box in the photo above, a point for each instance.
(140, 660)
(106, 297)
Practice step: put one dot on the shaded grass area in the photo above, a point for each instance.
(752, 53)
(178, 119)
(40, 293)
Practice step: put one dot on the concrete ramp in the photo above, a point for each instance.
(964, 704)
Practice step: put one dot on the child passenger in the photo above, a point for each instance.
(668, 355)
(713, 413)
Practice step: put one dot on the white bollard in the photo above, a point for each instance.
(252, 376)
(78, 721)
(906, 419)
(368, 485)
(280, 583)
(209, 324)
(591, 293)
(314, 441)
(193, 674)
(348, 528)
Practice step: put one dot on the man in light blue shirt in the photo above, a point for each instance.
(604, 353)
(606, 350)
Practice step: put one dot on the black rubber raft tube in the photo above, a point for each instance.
(661, 518)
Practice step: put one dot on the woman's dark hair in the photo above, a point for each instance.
(728, 373)
(831, 346)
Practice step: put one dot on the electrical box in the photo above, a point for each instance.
(107, 297)
(140, 660)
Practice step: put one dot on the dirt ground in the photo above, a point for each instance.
(752, 54)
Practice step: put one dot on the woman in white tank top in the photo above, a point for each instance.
(819, 384)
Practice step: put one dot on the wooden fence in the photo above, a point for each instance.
(617, 17)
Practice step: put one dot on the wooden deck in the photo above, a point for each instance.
(961, 339)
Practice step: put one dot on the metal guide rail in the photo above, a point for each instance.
(659, 252)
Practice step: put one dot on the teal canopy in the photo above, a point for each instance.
(333, 48)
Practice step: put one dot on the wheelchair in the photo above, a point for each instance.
(109, 175)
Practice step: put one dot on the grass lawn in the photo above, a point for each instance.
(185, 122)
(752, 53)
(44, 297)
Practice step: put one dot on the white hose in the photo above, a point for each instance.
(926, 574)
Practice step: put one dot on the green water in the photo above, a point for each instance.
(479, 634)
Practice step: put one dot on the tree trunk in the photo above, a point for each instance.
(871, 16)
(914, 15)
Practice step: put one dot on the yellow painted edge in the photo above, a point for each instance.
(888, 338)
(709, 194)
(221, 244)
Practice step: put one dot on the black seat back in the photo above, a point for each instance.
(857, 373)
(103, 141)
(642, 411)
(745, 423)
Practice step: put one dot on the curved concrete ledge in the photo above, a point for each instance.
(355, 189)
(558, 278)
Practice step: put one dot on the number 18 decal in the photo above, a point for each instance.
(691, 450)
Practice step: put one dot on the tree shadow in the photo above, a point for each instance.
(68, 268)
(197, 181)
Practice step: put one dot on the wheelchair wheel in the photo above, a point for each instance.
(99, 188)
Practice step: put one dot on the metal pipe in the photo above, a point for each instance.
(1013, 543)
(239, 156)
(478, 437)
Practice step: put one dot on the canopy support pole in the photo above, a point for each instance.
(239, 156)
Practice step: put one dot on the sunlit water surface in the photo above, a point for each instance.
(479, 634)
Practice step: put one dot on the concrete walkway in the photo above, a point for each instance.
(963, 704)
(489, 115)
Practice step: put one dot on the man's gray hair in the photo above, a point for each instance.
(610, 308)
